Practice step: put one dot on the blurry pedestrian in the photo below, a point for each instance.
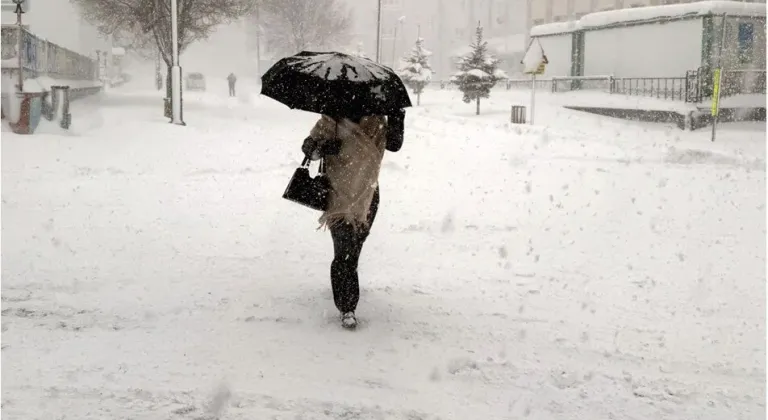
(231, 79)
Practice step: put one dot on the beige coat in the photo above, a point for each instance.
(354, 172)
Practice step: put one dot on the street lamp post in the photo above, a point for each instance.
(400, 22)
(176, 115)
(21, 45)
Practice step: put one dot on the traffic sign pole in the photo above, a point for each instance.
(715, 101)
(534, 57)
(718, 75)
(533, 97)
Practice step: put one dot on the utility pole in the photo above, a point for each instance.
(400, 23)
(258, 42)
(718, 75)
(20, 44)
(176, 116)
(441, 37)
(490, 19)
(378, 34)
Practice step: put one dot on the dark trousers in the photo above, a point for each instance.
(347, 245)
(231, 89)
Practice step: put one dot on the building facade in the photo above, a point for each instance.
(447, 26)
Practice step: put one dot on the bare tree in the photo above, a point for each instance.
(291, 26)
(145, 25)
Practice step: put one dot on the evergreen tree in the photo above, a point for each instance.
(416, 71)
(478, 71)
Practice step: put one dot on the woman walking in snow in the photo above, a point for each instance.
(353, 149)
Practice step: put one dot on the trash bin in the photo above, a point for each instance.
(518, 114)
(31, 110)
(47, 107)
(60, 97)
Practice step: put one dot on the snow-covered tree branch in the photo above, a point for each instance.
(291, 26)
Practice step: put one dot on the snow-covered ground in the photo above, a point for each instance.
(582, 268)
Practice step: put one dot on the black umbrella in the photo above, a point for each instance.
(335, 84)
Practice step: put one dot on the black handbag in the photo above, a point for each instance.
(308, 191)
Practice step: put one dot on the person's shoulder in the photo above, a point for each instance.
(324, 127)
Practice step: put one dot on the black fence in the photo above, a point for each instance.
(674, 88)
(696, 86)
(545, 84)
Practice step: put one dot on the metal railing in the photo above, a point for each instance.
(694, 87)
(527, 83)
(571, 83)
(736, 82)
(674, 88)
(700, 83)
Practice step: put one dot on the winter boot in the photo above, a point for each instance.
(348, 320)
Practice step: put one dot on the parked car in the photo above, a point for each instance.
(195, 81)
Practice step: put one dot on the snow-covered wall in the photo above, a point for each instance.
(557, 48)
(647, 50)
(738, 54)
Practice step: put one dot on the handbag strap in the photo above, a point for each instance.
(305, 164)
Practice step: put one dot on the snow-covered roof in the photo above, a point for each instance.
(671, 11)
(650, 14)
(555, 28)
(118, 51)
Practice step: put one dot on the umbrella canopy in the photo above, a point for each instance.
(335, 84)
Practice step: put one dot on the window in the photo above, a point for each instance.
(746, 41)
